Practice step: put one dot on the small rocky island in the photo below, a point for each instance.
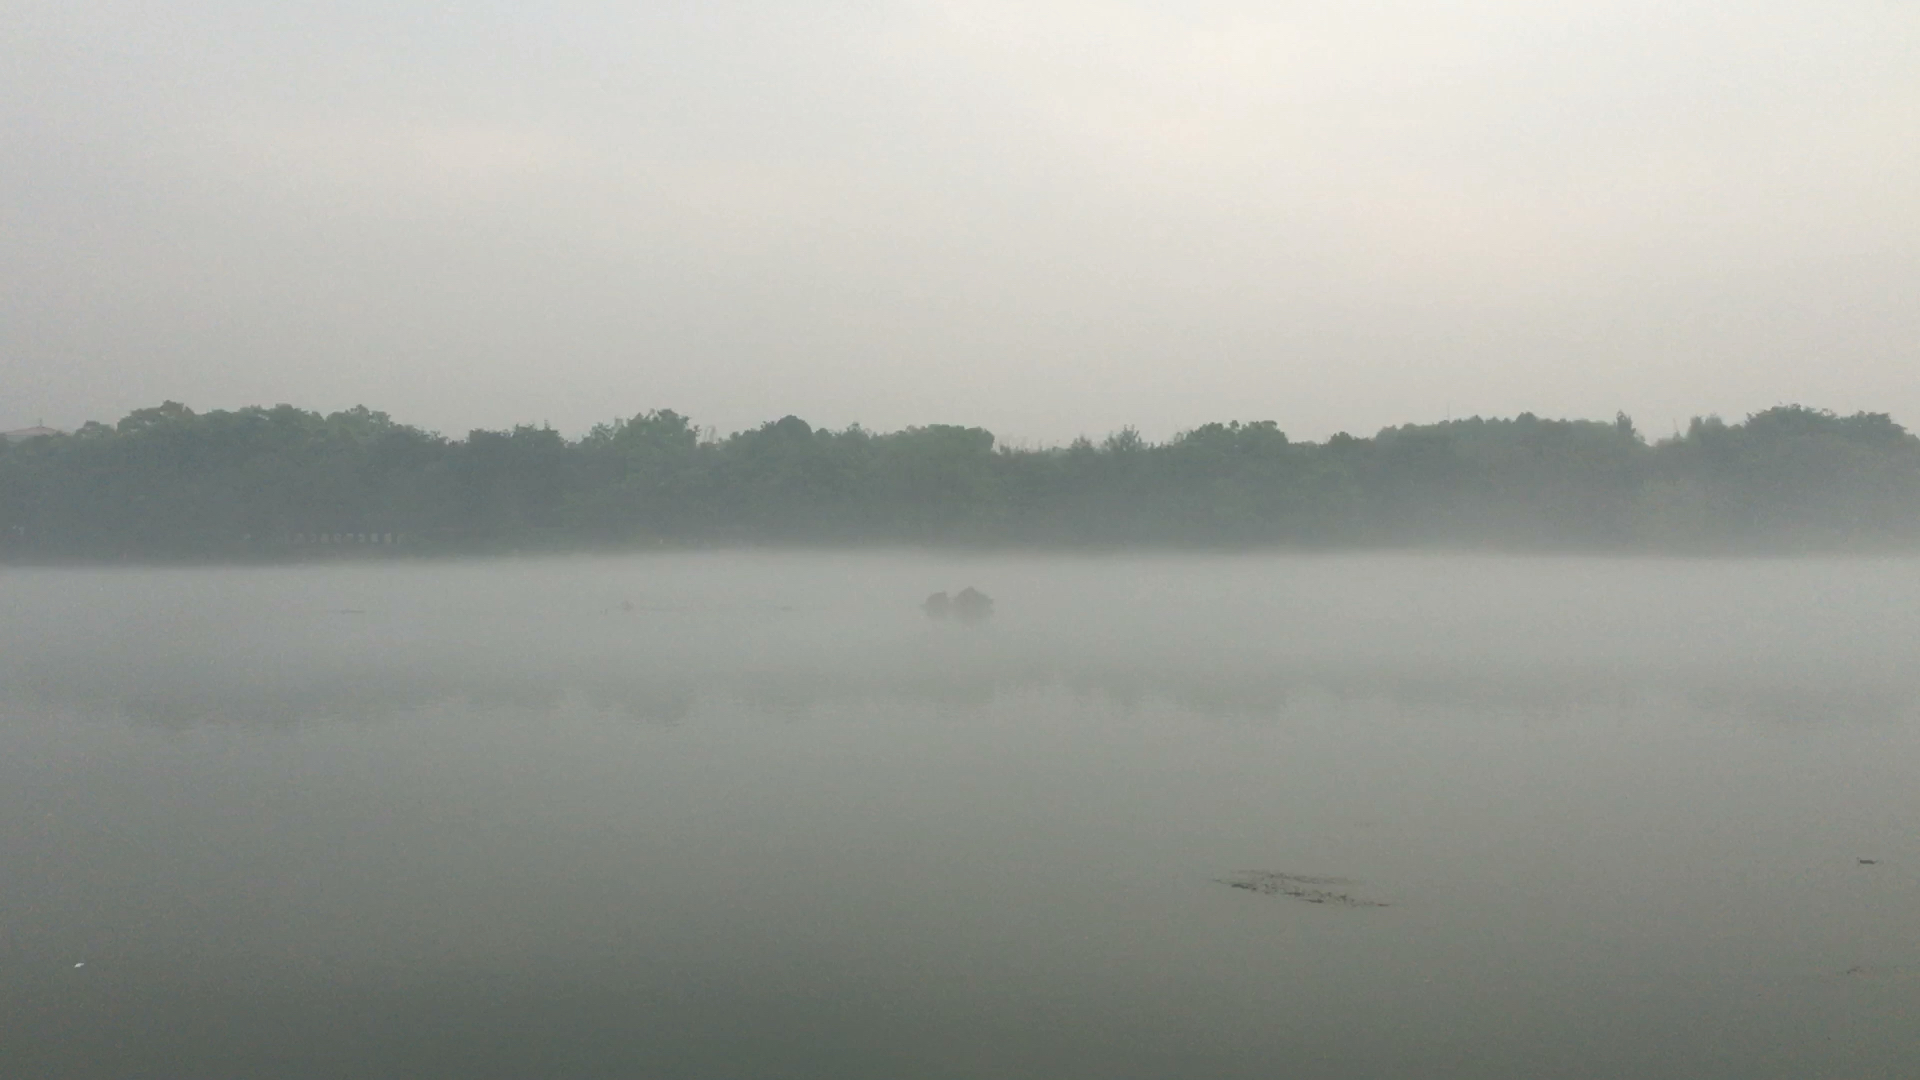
(969, 606)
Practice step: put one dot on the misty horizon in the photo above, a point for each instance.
(166, 482)
(1046, 219)
(711, 432)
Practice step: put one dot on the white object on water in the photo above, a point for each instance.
(81, 964)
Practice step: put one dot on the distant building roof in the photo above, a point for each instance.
(26, 433)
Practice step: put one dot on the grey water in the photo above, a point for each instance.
(756, 815)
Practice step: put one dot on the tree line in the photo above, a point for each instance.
(167, 482)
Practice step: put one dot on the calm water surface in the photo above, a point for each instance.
(755, 816)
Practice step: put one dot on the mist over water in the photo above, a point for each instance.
(757, 816)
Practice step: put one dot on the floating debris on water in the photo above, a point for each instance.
(1883, 970)
(1869, 862)
(1302, 887)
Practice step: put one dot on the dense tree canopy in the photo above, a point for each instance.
(166, 482)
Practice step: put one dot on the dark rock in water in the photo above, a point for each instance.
(937, 606)
(1309, 890)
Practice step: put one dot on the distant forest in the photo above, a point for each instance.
(169, 483)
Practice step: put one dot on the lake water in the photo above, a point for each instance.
(744, 816)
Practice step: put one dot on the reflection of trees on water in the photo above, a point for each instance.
(214, 694)
(213, 691)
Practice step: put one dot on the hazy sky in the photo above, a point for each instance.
(1046, 218)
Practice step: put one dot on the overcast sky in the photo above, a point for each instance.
(1044, 218)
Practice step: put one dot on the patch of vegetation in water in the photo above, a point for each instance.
(1310, 890)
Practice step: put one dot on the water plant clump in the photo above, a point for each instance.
(970, 605)
(1311, 890)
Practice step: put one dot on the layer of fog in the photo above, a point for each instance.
(655, 637)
